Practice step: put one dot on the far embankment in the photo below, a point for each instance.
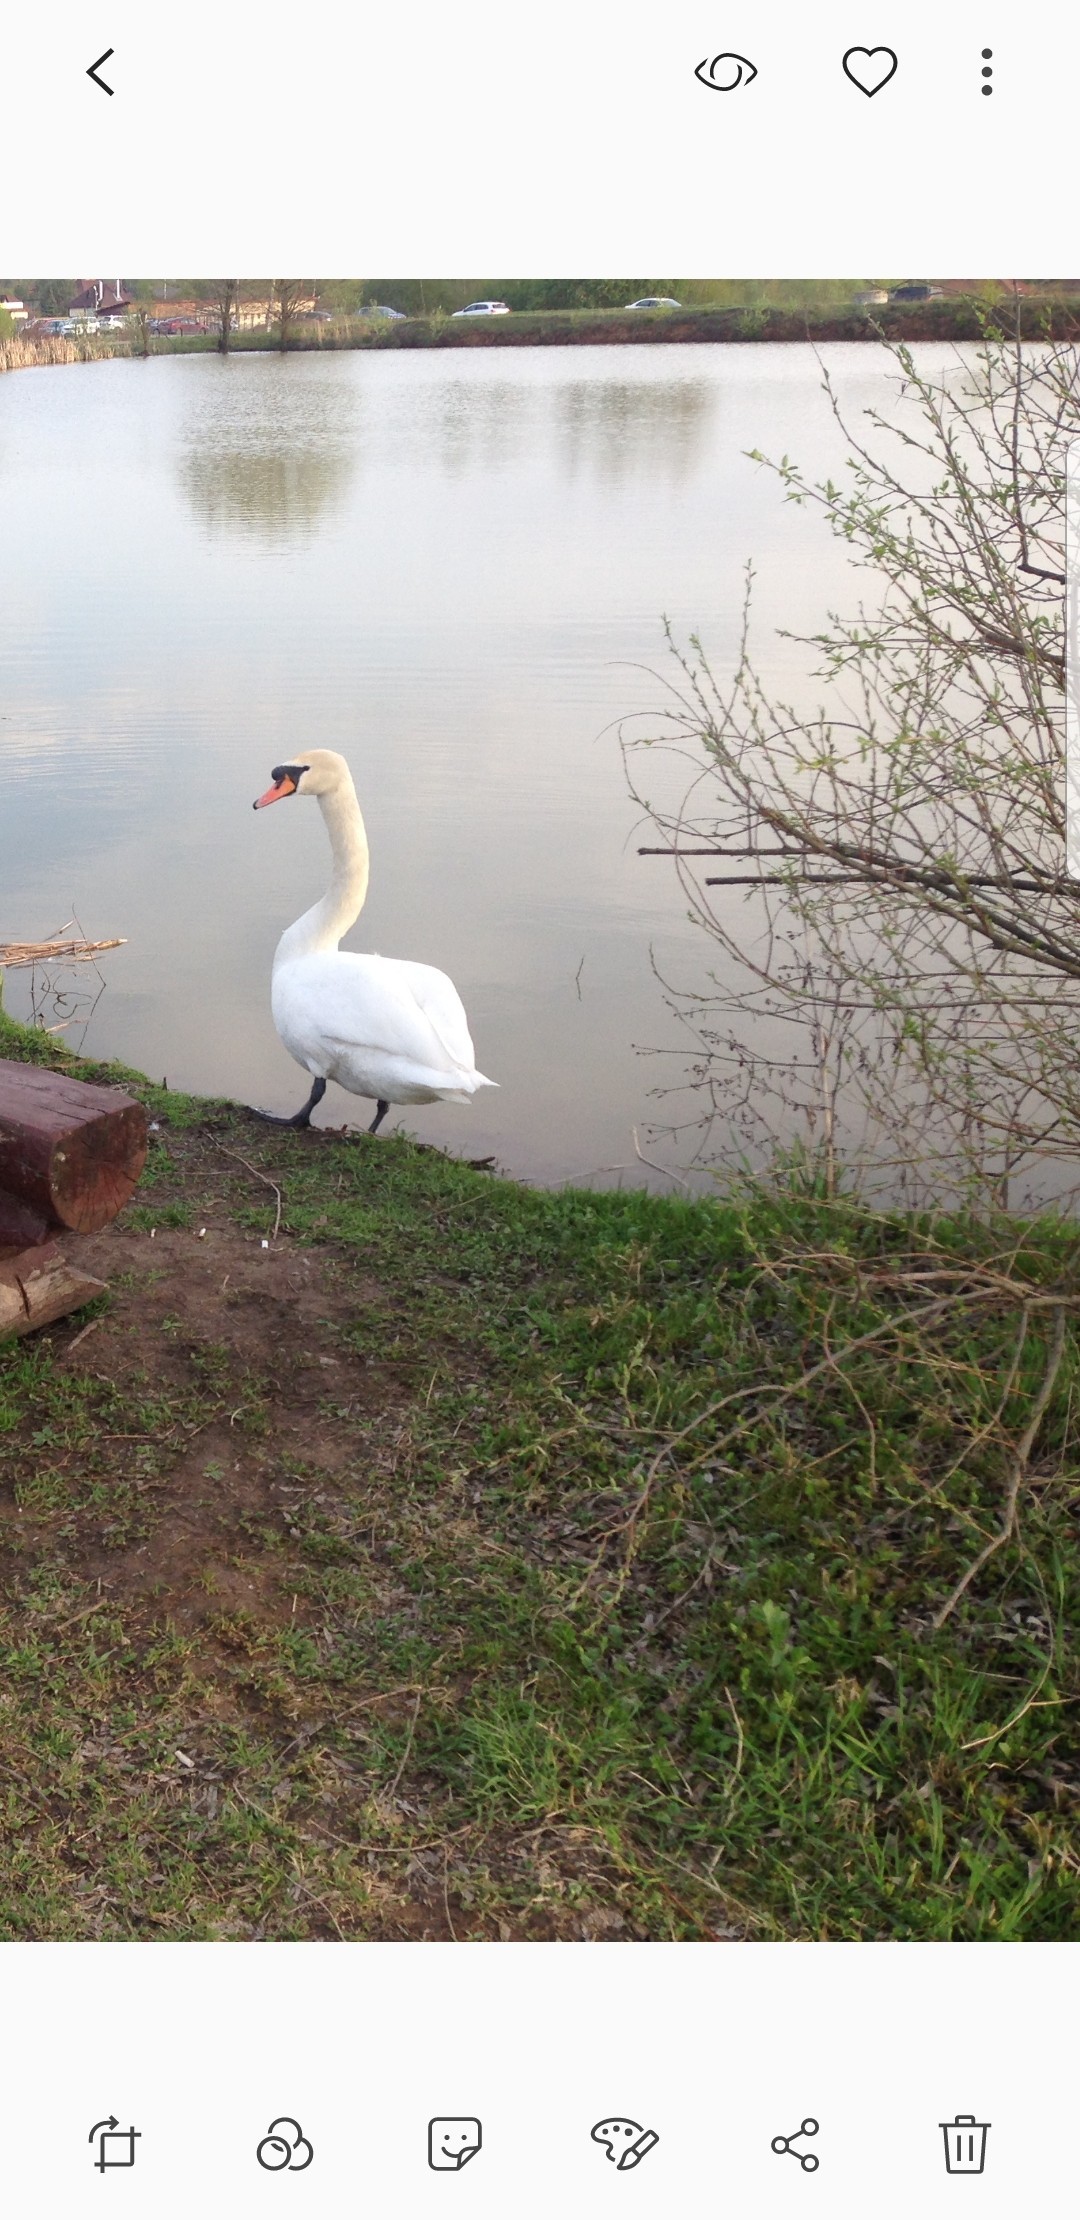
(956, 317)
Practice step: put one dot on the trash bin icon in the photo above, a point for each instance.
(965, 2143)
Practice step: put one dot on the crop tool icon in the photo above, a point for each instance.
(116, 2145)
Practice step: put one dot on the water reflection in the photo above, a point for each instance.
(619, 428)
(267, 451)
(482, 426)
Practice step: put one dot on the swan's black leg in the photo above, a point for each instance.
(303, 1117)
(381, 1109)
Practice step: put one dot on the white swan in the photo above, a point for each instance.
(393, 1031)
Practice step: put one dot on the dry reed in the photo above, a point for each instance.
(15, 952)
(31, 354)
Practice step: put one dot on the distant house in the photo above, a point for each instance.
(101, 301)
(15, 309)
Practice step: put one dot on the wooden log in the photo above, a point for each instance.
(72, 1150)
(21, 1226)
(39, 1285)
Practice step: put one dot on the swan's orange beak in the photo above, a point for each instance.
(275, 793)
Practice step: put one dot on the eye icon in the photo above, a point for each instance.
(726, 72)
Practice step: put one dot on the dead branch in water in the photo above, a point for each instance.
(15, 952)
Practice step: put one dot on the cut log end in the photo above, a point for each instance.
(72, 1150)
(98, 1168)
(40, 1285)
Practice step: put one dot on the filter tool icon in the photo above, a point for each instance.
(965, 2143)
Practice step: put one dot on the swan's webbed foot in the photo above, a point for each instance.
(303, 1117)
(381, 1109)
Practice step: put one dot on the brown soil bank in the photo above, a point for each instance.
(944, 319)
(952, 319)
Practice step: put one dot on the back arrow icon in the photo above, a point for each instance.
(94, 68)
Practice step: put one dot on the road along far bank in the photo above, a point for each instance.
(398, 1551)
(954, 319)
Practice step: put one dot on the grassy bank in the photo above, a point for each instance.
(948, 319)
(474, 1561)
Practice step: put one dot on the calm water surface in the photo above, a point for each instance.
(451, 567)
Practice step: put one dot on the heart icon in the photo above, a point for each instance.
(870, 67)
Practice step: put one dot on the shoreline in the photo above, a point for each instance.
(958, 320)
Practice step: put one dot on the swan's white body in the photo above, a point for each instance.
(394, 1031)
(391, 1030)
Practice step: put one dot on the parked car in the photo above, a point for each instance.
(875, 297)
(484, 308)
(379, 308)
(915, 293)
(654, 300)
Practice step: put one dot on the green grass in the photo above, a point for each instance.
(613, 1610)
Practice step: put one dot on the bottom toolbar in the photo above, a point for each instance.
(545, 2079)
(452, 2141)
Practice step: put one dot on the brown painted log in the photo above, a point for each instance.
(21, 1226)
(40, 1285)
(72, 1150)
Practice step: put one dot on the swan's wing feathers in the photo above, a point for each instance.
(378, 1003)
(438, 998)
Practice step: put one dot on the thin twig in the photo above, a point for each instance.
(738, 1730)
(1019, 1467)
(1034, 1703)
(256, 1174)
(91, 1328)
(408, 1747)
(650, 1166)
(446, 1893)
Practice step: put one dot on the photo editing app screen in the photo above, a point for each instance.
(539, 1111)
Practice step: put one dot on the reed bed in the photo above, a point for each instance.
(33, 354)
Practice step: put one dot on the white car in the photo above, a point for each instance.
(483, 308)
(654, 300)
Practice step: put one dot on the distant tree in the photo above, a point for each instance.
(53, 297)
(143, 303)
(288, 294)
(7, 326)
(222, 297)
(345, 296)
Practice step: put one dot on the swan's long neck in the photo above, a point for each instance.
(322, 927)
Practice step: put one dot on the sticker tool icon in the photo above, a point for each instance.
(452, 2142)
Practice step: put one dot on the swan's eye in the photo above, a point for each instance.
(726, 72)
(294, 772)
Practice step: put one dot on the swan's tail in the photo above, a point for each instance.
(471, 1085)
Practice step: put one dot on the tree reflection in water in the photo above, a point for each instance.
(267, 451)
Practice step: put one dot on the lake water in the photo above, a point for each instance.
(452, 567)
